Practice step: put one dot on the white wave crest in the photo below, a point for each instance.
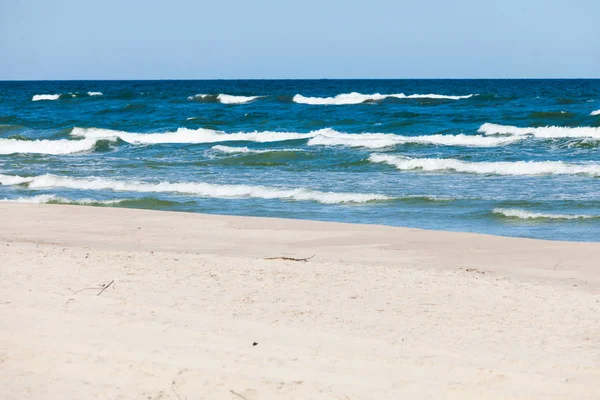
(357, 98)
(597, 112)
(184, 135)
(546, 132)
(227, 98)
(522, 214)
(192, 188)
(489, 168)
(55, 147)
(39, 97)
(381, 140)
(94, 93)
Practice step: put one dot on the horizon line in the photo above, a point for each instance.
(290, 79)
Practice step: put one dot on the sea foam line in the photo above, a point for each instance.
(51, 198)
(54, 147)
(547, 132)
(381, 140)
(192, 188)
(523, 214)
(488, 168)
(322, 137)
(357, 98)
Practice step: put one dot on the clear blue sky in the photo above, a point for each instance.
(196, 39)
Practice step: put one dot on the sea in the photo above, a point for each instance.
(505, 157)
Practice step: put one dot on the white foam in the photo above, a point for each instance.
(597, 112)
(198, 96)
(94, 93)
(192, 188)
(246, 150)
(227, 98)
(56, 147)
(522, 214)
(357, 98)
(184, 135)
(39, 97)
(547, 132)
(381, 140)
(494, 168)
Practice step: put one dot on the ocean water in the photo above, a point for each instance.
(506, 157)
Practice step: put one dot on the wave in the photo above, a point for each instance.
(522, 214)
(381, 140)
(246, 150)
(597, 112)
(321, 137)
(547, 132)
(94, 93)
(192, 188)
(191, 136)
(53, 199)
(357, 98)
(39, 97)
(54, 147)
(488, 168)
(225, 98)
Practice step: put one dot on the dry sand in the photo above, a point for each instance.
(378, 313)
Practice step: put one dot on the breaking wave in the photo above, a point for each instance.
(597, 112)
(224, 98)
(192, 136)
(322, 137)
(522, 214)
(488, 168)
(39, 97)
(547, 132)
(357, 98)
(94, 93)
(54, 147)
(192, 188)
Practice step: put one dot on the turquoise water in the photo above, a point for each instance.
(506, 157)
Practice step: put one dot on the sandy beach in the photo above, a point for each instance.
(130, 304)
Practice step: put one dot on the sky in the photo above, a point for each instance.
(227, 39)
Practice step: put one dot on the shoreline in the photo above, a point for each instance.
(128, 303)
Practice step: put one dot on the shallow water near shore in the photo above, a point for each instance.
(506, 157)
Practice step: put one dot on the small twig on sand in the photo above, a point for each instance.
(291, 258)
(475, 270)
(556, 266)
(105, 287)
(175, 391)
(238, 395)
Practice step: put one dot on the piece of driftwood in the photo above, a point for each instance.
(291, 258)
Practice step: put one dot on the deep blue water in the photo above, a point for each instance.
(435, 161)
